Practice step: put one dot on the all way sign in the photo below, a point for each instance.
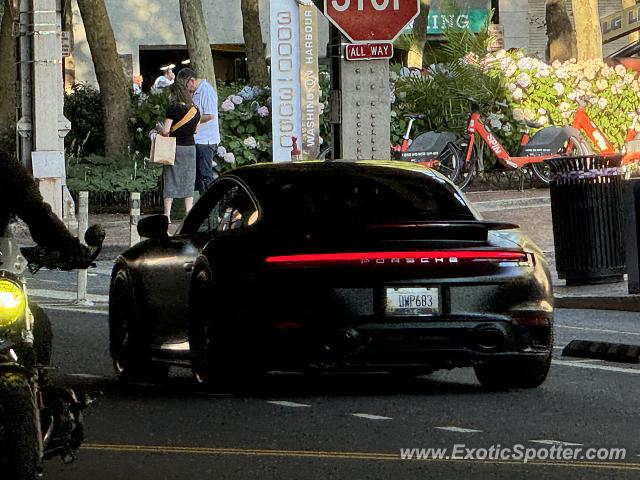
(368, 51)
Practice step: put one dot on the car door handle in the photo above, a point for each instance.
(188, 266)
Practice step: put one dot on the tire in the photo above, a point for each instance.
(450, 164)
(42, 335)
(518, 373)
(467, 170)
(128, 342)
(543, 172)
(325, 153)
(20, 449)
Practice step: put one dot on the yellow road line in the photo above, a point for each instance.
(164, 449)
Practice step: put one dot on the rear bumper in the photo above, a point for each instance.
(430, 345)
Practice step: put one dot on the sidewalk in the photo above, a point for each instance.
(530, 209)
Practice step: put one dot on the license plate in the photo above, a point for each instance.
(412, 302)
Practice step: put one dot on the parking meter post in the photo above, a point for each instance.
(134, 217)
(83, 225)
(632, 233)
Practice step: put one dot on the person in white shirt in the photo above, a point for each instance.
(208, 135)
(165, 80)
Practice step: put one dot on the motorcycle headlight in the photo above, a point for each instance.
(12, 302)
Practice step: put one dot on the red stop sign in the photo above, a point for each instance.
(371, 20)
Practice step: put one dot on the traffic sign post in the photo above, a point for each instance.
(361, 91)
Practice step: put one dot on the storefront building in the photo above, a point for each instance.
(149, 32)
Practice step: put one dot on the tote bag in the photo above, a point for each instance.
(163, 150)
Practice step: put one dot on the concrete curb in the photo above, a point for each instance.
(612, 352)
(511, 204)
(630, 303)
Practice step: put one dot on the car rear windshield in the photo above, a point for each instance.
(384, 197)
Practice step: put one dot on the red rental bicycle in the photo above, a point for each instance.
(432, 149)
(435, 150)
(554, 142)
(631, 150)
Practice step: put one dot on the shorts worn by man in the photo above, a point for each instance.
(208, 135)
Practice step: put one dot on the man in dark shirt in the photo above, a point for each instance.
(20, 196)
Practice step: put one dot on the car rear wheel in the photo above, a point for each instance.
(217, 359)
(128, 343)
(513, 373)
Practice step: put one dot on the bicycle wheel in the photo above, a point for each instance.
(543, 171)
(450, 164)
(467, 170)
(325, 153)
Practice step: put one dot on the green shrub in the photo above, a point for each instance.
(96, 173)
(550, 94)
(148, 110)
(83, 107)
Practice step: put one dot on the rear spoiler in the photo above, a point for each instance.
(488, 225)
(453, 230)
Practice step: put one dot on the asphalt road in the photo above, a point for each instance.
(345, 426)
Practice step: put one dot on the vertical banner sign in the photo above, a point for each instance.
(309, 82)
(285, 77)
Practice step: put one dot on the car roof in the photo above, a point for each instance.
(258, 174)
(334, 166)
(261, 177)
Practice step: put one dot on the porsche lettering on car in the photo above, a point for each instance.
(332, 266)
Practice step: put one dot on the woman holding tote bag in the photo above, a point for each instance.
(181, 122)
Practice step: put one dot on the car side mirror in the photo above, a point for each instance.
(155, 227)
(94, 236)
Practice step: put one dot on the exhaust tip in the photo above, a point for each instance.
(489, 339)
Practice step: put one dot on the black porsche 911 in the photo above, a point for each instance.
(345, 266)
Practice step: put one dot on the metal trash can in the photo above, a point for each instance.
(587, 213)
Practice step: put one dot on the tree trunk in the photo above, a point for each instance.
(561, 43)
(8, 79)
(256, 58)
(195, 32)
(115, 88)
(416, 52)
(588, 32)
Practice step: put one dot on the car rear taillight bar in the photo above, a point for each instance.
(420, 257)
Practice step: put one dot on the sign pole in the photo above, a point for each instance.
(360, 101)
(335, 97)
(365, 110)
(42, 125)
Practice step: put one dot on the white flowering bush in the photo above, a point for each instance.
(550, 94)
(509, 88)
(245, 125)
